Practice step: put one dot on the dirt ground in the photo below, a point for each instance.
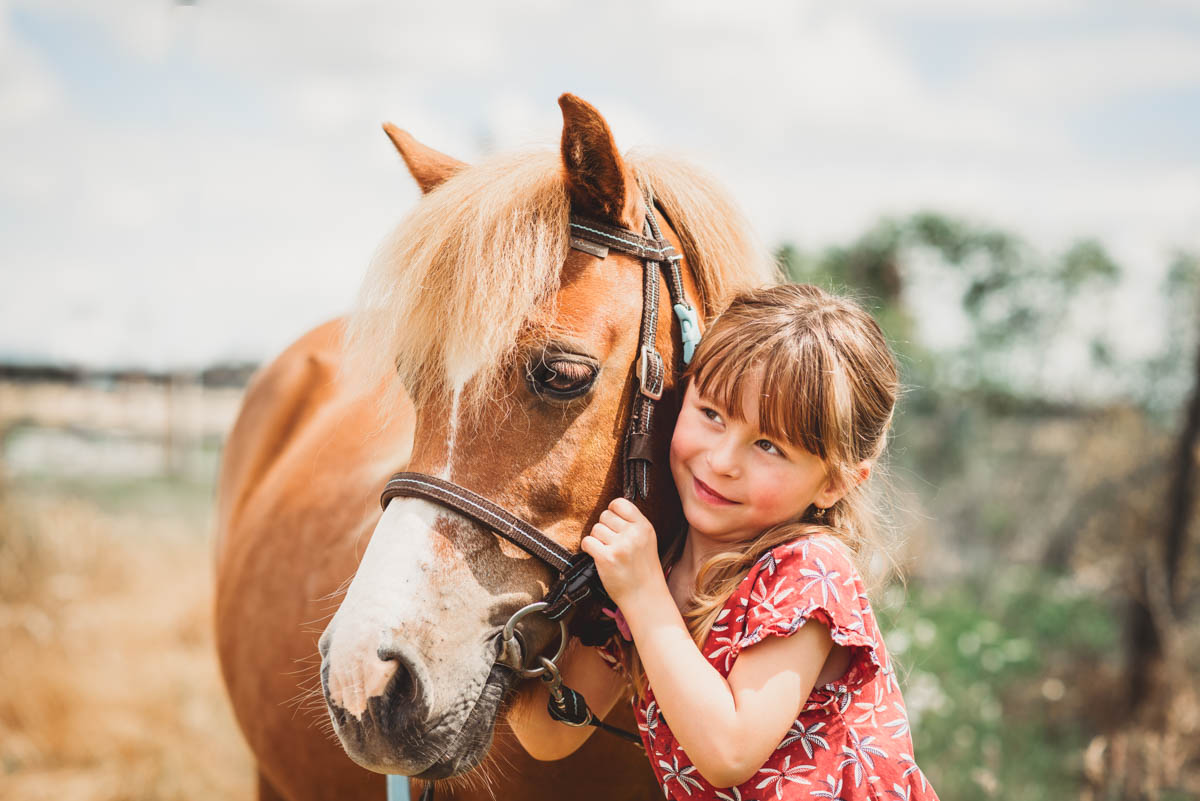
(109, 686)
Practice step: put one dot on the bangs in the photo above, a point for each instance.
(792, 405)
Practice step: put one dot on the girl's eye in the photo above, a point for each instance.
(711, 414)
(768, 446)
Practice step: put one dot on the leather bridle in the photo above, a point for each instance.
(577, 579)
(577, 574)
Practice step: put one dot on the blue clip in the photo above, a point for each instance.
(689, 330)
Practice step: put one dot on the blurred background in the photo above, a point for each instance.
(1012, 187)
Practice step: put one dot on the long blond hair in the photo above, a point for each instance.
(829, 386)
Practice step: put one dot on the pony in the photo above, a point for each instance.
(485, 350)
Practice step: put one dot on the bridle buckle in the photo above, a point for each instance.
(651, 373)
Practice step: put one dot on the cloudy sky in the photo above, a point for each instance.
(183, 183)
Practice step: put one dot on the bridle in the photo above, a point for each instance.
(577, 579)
(577, 573)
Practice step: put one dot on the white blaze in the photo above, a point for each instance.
(445, 474)
(410, 596)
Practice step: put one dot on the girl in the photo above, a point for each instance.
(757, 643)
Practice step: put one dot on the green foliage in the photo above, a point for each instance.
(1014, 302)
(1009, 673)
(994, 712)
(1084, 262)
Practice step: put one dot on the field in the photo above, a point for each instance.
(1012, 667)
(109, 685)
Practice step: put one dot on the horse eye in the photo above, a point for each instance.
(561, 378)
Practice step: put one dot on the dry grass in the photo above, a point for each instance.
(109, 687)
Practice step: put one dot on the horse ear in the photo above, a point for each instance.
(597, 179)
(428, 167)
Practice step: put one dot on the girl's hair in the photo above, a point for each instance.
(829, 386)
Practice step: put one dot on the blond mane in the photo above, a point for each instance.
(450, 292)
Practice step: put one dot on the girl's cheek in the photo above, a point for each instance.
(681, 444)
(675, 461)
(673, 455)
(771, 494)
(767, 500)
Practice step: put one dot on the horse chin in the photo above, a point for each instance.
(474, 738)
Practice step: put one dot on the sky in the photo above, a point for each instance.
(186, 183)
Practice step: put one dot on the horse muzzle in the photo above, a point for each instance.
(385, 713)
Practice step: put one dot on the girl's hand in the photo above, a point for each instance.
(625, 548)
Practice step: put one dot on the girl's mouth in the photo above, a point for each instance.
(710, 495)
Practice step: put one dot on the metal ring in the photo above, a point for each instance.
(510, 631)
(550, 671)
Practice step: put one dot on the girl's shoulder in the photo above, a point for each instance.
(811, 578)
(823, 553)
(813, 569)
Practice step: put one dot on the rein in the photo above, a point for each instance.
(577, 578)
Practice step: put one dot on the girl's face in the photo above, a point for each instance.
(733, 480)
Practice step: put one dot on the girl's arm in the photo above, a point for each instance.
(727, 727)
(584, 671)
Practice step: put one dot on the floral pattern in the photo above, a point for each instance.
(851, 740)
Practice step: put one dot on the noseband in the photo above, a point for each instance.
(577, 579)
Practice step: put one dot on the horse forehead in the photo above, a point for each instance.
(598, 295)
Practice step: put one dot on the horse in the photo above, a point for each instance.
(484, 349)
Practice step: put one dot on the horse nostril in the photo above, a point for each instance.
(403, 686)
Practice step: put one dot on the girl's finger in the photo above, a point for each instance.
(590, 545)
(602, 533)
(612, 521)
(624, 509)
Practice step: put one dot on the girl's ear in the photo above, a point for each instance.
(835, 488)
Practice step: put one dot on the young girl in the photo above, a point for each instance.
(759, 670)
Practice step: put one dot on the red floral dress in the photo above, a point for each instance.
(851, 739)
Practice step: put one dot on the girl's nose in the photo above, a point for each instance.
(722, 457)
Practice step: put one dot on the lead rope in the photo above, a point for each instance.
(567, 706)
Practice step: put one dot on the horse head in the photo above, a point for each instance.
(517, 351)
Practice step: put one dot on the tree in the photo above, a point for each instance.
(1014, 301)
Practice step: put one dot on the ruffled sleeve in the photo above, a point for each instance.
(812, 578)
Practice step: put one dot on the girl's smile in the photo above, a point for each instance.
(710, 495)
